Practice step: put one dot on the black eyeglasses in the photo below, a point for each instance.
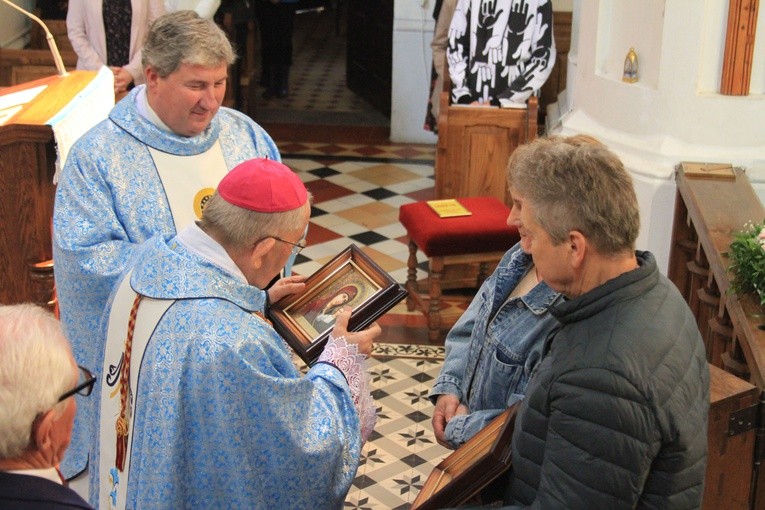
(84, 384)
(296, 247)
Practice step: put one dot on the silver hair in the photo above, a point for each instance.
(576, 183)
(35, 369)
(183, 37)
(240, 228)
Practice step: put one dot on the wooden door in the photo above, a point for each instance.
(370, 51)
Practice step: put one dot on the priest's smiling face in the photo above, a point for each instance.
(188, 98)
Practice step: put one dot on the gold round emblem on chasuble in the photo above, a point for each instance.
(200, 200)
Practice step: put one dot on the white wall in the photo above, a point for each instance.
(674, 113)
(14, 26)
(412, 32)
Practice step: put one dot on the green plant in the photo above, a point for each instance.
(747, 256)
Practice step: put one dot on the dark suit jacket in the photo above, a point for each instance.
(24, 492)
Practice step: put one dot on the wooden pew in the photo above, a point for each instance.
(708, 212)
(36, 61)
(57, 28)
(731, 440)
(556, 83)
(22, 66)
(241, 88)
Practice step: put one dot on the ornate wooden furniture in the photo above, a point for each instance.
(474, 144)
(731, 439)
(707, 214)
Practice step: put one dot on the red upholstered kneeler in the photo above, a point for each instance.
(483, 238)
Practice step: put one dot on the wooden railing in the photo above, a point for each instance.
(708, 212)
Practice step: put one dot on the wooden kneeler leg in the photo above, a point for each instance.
(434, 309)
(411, 276)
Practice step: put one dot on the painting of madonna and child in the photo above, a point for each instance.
(351, 279)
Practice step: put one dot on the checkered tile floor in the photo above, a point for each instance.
(357, 201)
(402, 451)
(318, 93)
(357, 191)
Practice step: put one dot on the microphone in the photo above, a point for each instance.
(51, 42)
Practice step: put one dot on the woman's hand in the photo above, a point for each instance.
(122, 80)
(447, 406)
(286, 286)
(363, 339)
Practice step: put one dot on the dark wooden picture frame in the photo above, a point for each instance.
(471, 467)
(350, 279)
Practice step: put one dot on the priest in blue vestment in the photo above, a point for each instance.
(147, 170)
(202, 405)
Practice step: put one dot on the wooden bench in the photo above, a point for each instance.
(708, 212)
(23, 65)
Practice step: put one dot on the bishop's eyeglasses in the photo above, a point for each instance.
(296, 247)
(84, 387)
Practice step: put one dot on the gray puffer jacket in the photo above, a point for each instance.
(616, 414)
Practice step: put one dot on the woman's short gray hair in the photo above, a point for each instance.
(35, 369)
(240, 228)
(183, 37)
(576, 183)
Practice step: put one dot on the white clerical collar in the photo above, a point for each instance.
(147, 112)
(199, 243)
(47, 473)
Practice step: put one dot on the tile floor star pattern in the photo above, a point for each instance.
(402, 451)
(357, 191)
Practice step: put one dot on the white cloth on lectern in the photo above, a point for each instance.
(84, 111)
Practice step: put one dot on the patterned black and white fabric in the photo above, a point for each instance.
(500, 51)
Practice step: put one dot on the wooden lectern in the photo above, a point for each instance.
(27, 166)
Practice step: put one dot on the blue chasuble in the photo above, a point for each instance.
(109, 200)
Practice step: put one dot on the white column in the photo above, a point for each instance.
(674, 112)
(412, 32)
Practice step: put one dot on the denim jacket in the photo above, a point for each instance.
(494, 347)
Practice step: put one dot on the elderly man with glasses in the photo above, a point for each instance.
(201, 404)
(38, 382)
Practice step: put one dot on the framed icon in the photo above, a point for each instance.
(351, 279)
(471, 467)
